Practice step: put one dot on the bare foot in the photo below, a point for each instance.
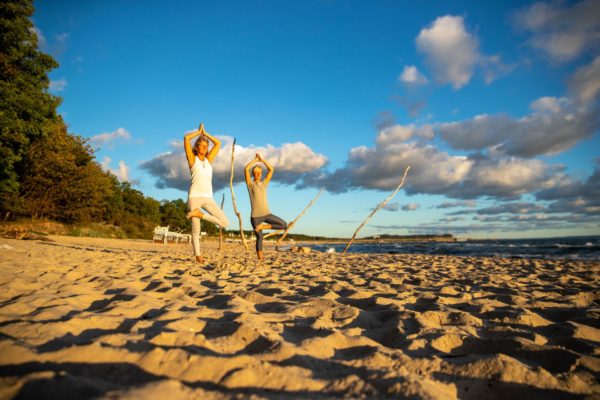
(199, 259)
(259, 253)
(194, 213)
(262, 226)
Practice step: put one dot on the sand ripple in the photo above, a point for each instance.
(84, 318)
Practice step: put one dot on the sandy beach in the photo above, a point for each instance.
(87, 317)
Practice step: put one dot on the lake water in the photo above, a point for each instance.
(582, 248)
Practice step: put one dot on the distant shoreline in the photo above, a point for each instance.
(387, 240)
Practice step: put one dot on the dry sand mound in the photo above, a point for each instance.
(84, 318)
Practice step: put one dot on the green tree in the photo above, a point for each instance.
(172, 213)
(62, 182)
(139, 214)
(27, 110)
(135, 203)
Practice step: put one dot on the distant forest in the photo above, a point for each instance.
(47, 172)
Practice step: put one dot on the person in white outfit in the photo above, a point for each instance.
(200, 197)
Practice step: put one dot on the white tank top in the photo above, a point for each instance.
(201, 179)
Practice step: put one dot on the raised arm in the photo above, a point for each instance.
(187, 145)
(248, 168)
(215, 149)
(269, 169)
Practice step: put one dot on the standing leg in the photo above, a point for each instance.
(196, 227)
(256, 221)
(194, 203)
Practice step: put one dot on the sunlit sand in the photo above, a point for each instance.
(84, 317)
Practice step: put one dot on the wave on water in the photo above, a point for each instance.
(576, 248)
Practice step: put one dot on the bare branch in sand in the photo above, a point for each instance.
(221, 229)
(291, 224)
(383, 203)
(268, 235)
(235, 209)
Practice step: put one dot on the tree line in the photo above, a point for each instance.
(46, 171)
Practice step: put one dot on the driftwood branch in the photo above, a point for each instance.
(291, 224)
(235, 209)
(268, 235)
(383, 203)
(221, 229)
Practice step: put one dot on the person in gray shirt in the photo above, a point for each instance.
(261, 217)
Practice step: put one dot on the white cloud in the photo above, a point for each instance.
(122, 172)
(394, 206)
(109, 138)
(511, 208)
(507, 177)
(56, 46)
(575, 196)
(453, 204)
(60, 43)
(293, 158)
(411, 207)
(452, 55)
(500, 224)
(42, 42)
(290, 161)
(493, 68)
(401, 133)
(384, 120)
(562, 46)
(479, 132)
(381, 167)
(451, 52)
(436, 172)
(443, 228)
(566, 201)
(62, 37)
(549, 104)
(411, 76)
(562, 31)
(106, 163)
(58, 85)
(413, 103)
(555, 125)
(585, 82)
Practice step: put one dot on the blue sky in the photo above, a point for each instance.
(494, 106)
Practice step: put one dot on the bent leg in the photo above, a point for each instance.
(275, 222)
(214, 214)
